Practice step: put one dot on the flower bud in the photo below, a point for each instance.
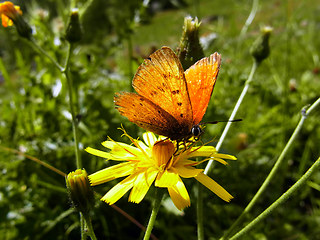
(74, 30)
(260, 48)
(190, 50)
(80, 191)
(23, 28)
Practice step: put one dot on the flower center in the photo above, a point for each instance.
(162, 153)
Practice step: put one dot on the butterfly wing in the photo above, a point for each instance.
(161, 80)
(147, 115)
(201, 78)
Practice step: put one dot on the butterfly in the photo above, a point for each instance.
(170, 101)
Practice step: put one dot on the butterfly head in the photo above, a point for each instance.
(196, 131)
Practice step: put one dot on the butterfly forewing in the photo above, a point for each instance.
(161, 80)
(201, 78)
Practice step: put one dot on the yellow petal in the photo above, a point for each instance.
(142, 145)
(204, 151)
(149, 138)
(121, 148)
(167, 178)
(214, 187)
(98, 153)
(219, 160)
(119, 190)
(188, 172)
(225, 156)
(142, 185)
(110, 173)
(207, 151)
(184, 162)
(179, 195)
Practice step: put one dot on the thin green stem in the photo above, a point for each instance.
(89, 227)
(44, 53)
(82, 231)
(33, 159)
(284, 197)
(66, 72)
(254, 9)
(155, 209)
(234, 112)
(200, 212)
(304, 114)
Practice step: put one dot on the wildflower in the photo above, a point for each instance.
(10, 14)
(79, 189)
(155, 160)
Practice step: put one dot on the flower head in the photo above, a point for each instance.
(11, 14)
(79, 189)
(155, 160)
(8, 13)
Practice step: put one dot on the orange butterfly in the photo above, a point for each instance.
(169, 101)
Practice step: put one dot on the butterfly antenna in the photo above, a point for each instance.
(215, 122)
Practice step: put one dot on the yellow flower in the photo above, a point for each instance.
(155, 160)
(9, 12)
(80, 191)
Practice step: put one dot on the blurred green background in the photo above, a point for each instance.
(35, 117)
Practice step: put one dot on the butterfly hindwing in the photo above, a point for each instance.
(147, 115)
(161, 80)
(201, 78)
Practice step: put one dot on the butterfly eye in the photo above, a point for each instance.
(196, 130)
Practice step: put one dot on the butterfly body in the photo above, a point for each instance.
(169, 101)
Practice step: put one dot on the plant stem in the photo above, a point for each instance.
(65, 70)
(71, 105)
(234, 112)
(155, 209)
(200, 212)
(284, 197)
(44, 53)
(46, 165)
(82, 231)
(89, 226)
(254, 9)
(275, 168)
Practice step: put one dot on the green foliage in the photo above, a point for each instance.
(35, 117)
